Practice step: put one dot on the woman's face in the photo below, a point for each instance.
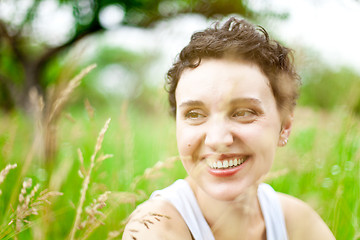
(227, 125)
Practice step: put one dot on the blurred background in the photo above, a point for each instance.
(47, 116)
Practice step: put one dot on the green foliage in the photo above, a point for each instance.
(28, 61)
(322, 157)
(136, 144)
(323, 163)
(323, 166)
(328, 89)
(8, 65)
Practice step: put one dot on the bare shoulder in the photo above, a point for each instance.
(302, 222)
(156, 219)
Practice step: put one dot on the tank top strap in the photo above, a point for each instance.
(181, 196)
(272, 212)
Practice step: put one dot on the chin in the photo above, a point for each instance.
(228, 197)
(228, 192)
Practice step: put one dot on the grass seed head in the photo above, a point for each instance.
(29, 204)
(93, 211)
(5, 172)
(65, 93)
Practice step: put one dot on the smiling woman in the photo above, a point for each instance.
(232, 92)
(236, 120)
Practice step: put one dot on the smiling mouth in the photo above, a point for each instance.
(225, 164)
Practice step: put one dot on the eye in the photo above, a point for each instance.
(246, 115)
(194, 115)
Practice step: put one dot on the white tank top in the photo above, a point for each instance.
(181, 196)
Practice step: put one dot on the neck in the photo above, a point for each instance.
(231, 218)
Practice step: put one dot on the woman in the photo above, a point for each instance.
(232, 92)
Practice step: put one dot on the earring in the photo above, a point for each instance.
(284, 142)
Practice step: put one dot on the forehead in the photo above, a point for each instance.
(218, 79)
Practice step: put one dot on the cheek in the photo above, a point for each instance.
(187, 140)
(187, 143)
(259, 138)
(182, 139)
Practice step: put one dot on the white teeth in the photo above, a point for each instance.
(226, 163)
(231, 163)
(235, 162)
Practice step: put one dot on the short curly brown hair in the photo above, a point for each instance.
(241, 40)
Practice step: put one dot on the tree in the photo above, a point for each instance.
(22, 66)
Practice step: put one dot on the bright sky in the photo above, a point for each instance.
(330, 27)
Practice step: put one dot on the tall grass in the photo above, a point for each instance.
(90, 193)
(323, 163)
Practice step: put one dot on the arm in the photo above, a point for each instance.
(302, 222)
(156, 219)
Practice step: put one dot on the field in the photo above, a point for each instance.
(78, 178)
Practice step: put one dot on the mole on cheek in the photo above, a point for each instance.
(189, 145)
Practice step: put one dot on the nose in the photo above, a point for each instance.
(218, 135)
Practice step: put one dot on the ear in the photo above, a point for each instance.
(285, 129)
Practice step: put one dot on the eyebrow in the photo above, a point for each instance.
(191, 103)
(254, 101)
(196, 103)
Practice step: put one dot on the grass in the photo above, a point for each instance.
(89, 193)
(323, 162)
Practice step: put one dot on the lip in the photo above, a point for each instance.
(222, 156)
(226, 172)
